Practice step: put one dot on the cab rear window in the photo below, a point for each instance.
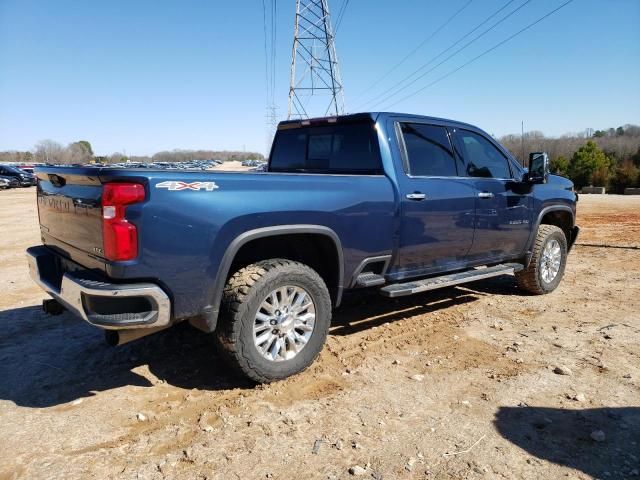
(350, 148)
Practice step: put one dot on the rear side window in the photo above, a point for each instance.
(483, 159)
(428, 150)
(340, 149)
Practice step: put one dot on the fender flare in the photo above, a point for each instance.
(534, 230)
(212, 312)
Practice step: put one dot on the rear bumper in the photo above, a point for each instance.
(106, 305)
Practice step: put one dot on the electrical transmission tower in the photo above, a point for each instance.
(316, 85)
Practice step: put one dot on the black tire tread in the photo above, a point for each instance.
(234, 300)
(528, 279)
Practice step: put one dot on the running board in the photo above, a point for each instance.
(417, 286)
(369, 280)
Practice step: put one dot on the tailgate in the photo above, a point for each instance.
(70, 211)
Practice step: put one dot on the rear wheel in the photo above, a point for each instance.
(546, 268)
(275, 318)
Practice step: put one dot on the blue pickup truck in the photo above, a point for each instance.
(397, 203)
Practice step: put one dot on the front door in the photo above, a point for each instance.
(503, 210)
(438, 206)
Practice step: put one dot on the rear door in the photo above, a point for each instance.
(503, 211)
(437, 205)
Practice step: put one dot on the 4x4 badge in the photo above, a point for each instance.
(175, 185)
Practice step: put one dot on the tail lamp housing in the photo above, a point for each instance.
(119, 237)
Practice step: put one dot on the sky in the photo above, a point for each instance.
(148, 75)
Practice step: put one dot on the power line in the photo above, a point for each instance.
(469, 43)
(343, 9)
(266, 55)
(423, 66)
(274, 31)
(497, 45)
(418, 47)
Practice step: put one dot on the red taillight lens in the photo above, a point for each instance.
(119, 237)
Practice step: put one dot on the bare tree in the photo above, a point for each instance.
(48, 151)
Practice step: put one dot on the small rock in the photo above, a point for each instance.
(141, 417)
(598, 436)
(417, 377)
(580, 397)
(562, 370)
(635, 472)
(396, 362)
(316, 446)
(627, 375)
(208, 428)
(357, 471)
(409, 465)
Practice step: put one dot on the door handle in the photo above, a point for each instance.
(416, 196)
(485, 195)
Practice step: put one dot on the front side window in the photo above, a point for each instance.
(428, 150)
(483, 159)
(350, 148)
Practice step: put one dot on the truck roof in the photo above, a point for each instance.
(373, 116)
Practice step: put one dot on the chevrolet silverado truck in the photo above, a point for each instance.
(397, 203)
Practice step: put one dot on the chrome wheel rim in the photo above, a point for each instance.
(550, 262)
(284, 323)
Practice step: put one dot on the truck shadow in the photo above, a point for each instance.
(47, 361)
(564, 437)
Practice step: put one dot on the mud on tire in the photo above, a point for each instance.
(245, 293)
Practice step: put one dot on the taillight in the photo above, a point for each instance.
(119, 237)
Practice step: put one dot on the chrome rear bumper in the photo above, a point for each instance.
(106, 305)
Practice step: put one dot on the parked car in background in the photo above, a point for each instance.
(8, 182)
(26, 168)
(24, 179)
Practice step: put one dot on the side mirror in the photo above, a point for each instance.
(538, 167)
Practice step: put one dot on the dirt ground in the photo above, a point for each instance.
(454, 384)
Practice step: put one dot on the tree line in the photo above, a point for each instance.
(603, 158)
(81, 152)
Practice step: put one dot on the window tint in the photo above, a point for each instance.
(348, 148)
(429, 150)
(482, 157)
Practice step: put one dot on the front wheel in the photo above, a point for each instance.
(548, 261)
(275, 318)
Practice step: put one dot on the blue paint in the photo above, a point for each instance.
(183, 235)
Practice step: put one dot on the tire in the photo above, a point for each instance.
(534, 278)
(244, 299)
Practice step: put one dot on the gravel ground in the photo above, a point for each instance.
(480, 381)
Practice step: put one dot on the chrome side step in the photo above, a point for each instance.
(417, 286)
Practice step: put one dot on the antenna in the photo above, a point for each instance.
(315, 74)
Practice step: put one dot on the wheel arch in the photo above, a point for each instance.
(254, 237)
(562, 216)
